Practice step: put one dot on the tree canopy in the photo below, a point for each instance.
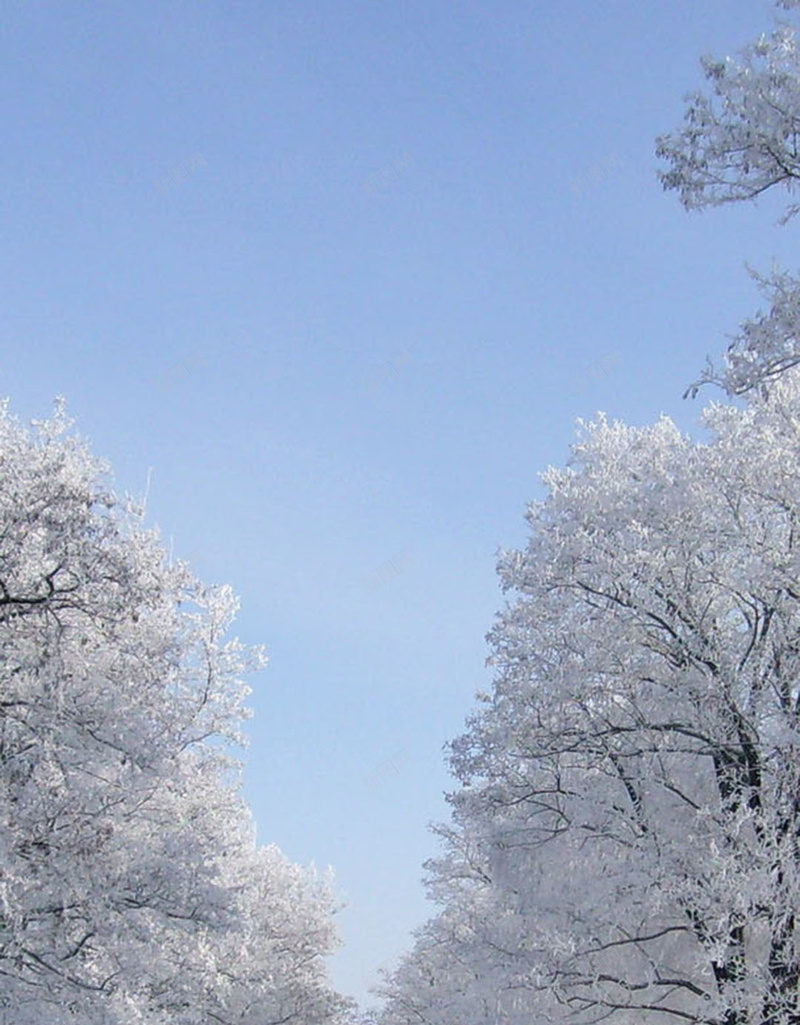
(131, 886)
(625, 834)
(624, 843)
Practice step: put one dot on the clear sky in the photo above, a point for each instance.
(295, 196)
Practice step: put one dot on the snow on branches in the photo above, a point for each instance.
(131, 888)
(766, 346)
(743, 138)
(624, 844)
(737, 142)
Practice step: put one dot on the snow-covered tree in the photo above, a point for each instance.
(132, 891)
(625, 843)
(743, 138)
(625, 837)
(737, 142)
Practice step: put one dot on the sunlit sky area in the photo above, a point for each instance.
(377, 238)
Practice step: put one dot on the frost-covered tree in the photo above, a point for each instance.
(743, 138)
(625, 841)
(738, 141)
(625, 836)
(132, 891)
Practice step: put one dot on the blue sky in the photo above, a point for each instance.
(296, 195)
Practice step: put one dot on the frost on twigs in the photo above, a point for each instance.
(623, 844)
(743, 138)
(738, 140)
(766, 346)
(131, 886)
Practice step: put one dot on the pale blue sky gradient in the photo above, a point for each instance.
(274, 465)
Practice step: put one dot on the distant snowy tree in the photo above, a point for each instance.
(131, 888)
(625, 843)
